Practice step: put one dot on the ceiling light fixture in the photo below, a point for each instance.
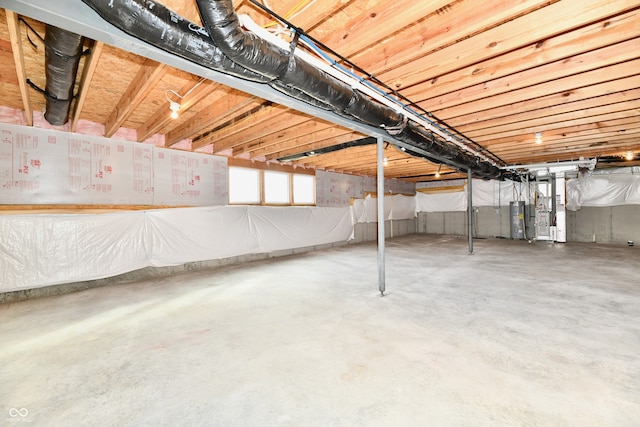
(629, 155)
(438, 171)
(538, 138)
(385, 162)
(174, 107)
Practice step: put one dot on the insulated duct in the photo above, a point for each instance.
(62, 56)
(224, 46)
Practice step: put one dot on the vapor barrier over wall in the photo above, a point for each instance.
(43, 250)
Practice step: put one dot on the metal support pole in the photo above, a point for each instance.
(380, 147)
(470, 207)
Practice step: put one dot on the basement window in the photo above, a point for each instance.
(277, 188)
(304, 189)
(244, 186)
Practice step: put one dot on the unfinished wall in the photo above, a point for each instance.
(487, 222)
(613, 224)
(368, 231)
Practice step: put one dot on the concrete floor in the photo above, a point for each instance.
(516, 334)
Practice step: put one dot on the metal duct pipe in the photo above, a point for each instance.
(263, 57)
(62, 56)
(224, 46)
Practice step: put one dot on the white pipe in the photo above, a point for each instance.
(555, 166)
(355, 84)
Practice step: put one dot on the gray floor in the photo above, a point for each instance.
(516, 334)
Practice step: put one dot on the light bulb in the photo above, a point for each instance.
(629, 155)
(174, 107)
(538, 137)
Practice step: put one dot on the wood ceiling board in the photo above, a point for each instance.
(597, 114)
(154, 97)
(551, 113)
(318, 144)
(593, 60)
(322, 132)
(226, 137)
(458, 20)
(388, 17)
(193, 91)
(542, 104)
(148, 75)
(228, 105)
(559, 86)
(115, 71)
(268, 124)
(558, 18)
(287, 137)
(601, 34)
(7, 66)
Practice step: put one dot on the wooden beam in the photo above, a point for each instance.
(387, 17)
(194, 90)
(228, 105)
(558, 18)
(317, 144)
(226, 137)
(88, 70)
(595, 129)
(542, 105)
(563, 85)
(321, 134)
(595, 36)
(551, 113)
(18, 59)
(269, 125)
(305, 129)
(312, 15)
(149, 74)
(459, 21)
(592, 115)
(572, 66)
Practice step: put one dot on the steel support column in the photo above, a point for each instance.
(381, 272)
(470, 208)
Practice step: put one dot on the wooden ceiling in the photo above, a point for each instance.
(498, 71)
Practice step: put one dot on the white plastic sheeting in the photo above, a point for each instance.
(43, 250)
(442, 202)
(498, 193)
(485, 193)
(603, 190)
(395, 208)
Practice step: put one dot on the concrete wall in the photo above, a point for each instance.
(368, 232)
(616, 224)
(487, 222)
